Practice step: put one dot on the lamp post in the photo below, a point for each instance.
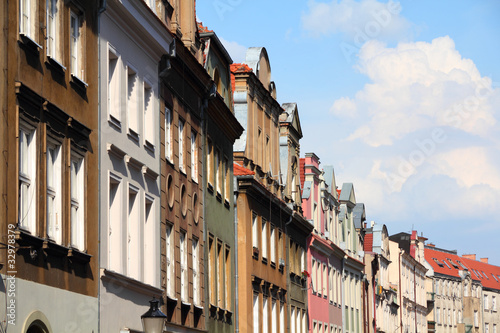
(153, 321)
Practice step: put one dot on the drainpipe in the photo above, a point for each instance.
(400, 294)
(415, 293)
(101, 9)
(236, 296)
(343, 293)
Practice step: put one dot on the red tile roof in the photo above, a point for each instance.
(450, 264)
(202, 28)
(338, 192)
(302, 166)
(238, 170)
(368, 243)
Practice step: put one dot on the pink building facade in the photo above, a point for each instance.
(324, 256)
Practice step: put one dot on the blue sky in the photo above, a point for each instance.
(402, 98)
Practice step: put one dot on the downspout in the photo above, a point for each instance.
(204, 189)
(374, 301)
(343, 293)
(400, 294)
(415, 293)
(102, 8)
(236, 297)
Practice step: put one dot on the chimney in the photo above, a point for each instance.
(485, 260)
(372, 223)
(469, 256)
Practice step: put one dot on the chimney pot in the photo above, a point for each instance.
(485, 260)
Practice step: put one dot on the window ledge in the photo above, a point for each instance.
(56, 65)
(24, 238)
(149, 146)
(273, 264)
(82, 85)
(55, 249)
(133, 135)
(30, 45)
(218, 196)
(264, 260)
(210, 188)
(129, 283)
(226, 204)
(115, 122)
(171, 299)
(185, 305)
(78, 256)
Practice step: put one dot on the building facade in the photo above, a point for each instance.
(261, 213)
(382, 294)
(324, 256)
(132, 42)
(49, 172)
(351, 219)
(220, 129)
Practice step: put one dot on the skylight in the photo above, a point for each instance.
(462, 265)
(451, 262)
(494, 277)
(485, 275)
(440, 264)
(446, 264)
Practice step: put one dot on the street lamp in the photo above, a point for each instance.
(153, 321)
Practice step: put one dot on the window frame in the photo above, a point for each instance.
(78, 227)
(28, 176)
(54, 190)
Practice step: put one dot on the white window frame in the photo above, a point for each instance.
(114, 86)
(52, 29)
(181, 146)
(196, 272)
(184, 266)
(77, 185)
(133, 83)
(256, 325)
(27, 207)
(264, 238)
(149, 241)
(273, 244)
(194, 156)
(265, 314)
(170, 246)
(168, 135)
(255, 239)
(115, 206)
(76, 45)
(149, 115)
(133, 231)
(54, 190)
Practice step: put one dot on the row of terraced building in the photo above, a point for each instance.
(139, 162)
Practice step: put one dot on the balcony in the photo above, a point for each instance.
(430, 297)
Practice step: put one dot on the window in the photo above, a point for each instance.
(476, 319)
(181, 146)
(27, 177)
(265, 315)
(114, 223)
(440, 264)
(220, 276)
(210, 163)
(486, 328)
(149, 116)
(264, 239)
(184, 266)
(273, 245)
(493, 303)
(211, 268)
(313, 273)
(53, 29)
(132, 102)
(77, 202)
(228, 277)
(27, 15)
(194, 157)
(255, 313)
(76, 49)
(292, 319)
(218, 171)
(330, 283)
(282, 318)
(133, 231)
(168, 134)
(494, 328)
(170, 261)
(324, 282)
(486, 302)
(196, 273)
(255, 240)
(227, 180)
(54, 191)
(149, 240)
(274, 317)
(438, 316)
(113, 86)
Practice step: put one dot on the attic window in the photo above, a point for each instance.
(494, 277)
(485, 275)
(440, 264)
(477, 275)
(451, 262)
(446, 264)
(462, 265)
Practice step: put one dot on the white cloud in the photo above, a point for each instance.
(235, 50)
(360, 21)
(416, 86)
(344, 107)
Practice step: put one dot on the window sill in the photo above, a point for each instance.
(30, 45)
(78, 256)
(229, 317)
(133, 135)
(129, 283)
(182, 171)
(218, 196)
(273, 264)
(115, 122)
(212, 309)
(221, 314)
(55, 249)
(149, 146)
(210, 188)
(226, 204)
(171, 299)
(79, 83)
(24, 238)
(185, 305)
(56, 65)
(264, 260)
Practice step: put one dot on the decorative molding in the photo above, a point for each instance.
(114, 150)
(149, 172)
(134, 163)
